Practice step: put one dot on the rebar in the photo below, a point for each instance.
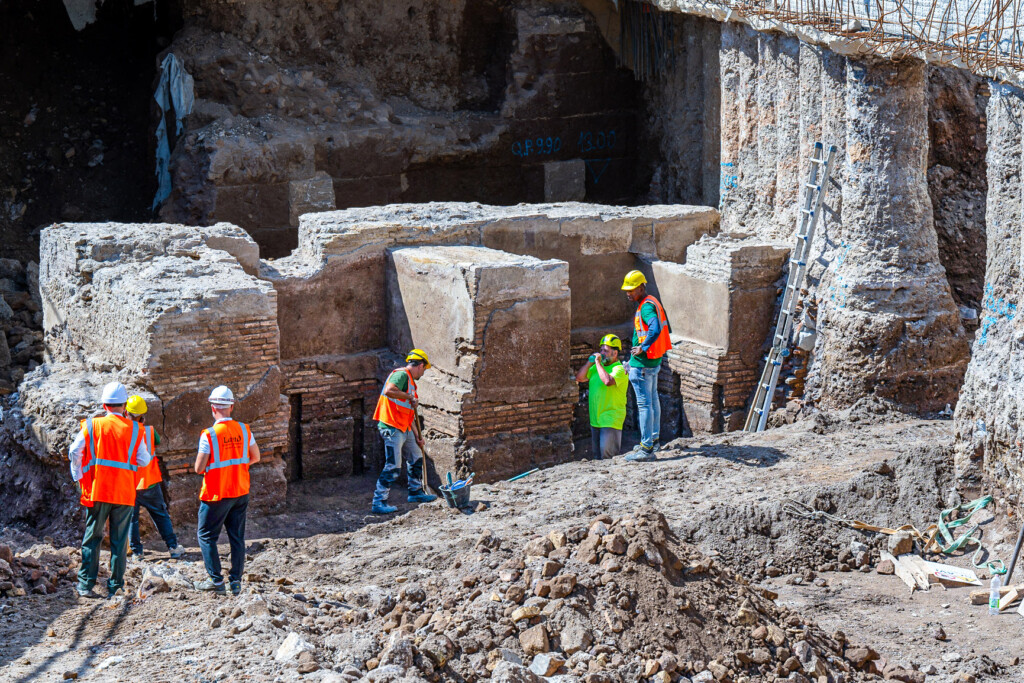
(981, 35)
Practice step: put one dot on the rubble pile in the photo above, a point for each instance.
(40, 569)
(620, 599)
(21, 320)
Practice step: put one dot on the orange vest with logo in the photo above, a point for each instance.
(150, 474)
(227, 471)
(398, 414)
(663, 343)
(109, 460)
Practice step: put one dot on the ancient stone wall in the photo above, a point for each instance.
(681, 132)
(719, 305)
(497, 329)
(988, 414)
(888, 321)
(172, 312)
(362, 105)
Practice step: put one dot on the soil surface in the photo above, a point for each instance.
(357, 589)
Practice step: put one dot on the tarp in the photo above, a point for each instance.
(175, 93)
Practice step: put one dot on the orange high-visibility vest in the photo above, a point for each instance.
(227, 472)
(398, 414)
(663, 343)
(150, 474)
(109, 461)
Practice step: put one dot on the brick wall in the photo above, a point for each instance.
(332, 432)
(714, 385)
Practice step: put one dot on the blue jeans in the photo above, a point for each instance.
(395, 444)
(229, 514)
(648, 405)
(153, 500)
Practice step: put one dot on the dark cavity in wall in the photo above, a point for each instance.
(957, 180)
(680, 132)
(76, 116)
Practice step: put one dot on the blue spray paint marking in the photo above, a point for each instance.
(589, 141)
(536, 146)
(840, 290)
(728, 180)
(996, 310)
(597, 167)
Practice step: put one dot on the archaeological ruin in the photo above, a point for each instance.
(334, 201)
(286, 197)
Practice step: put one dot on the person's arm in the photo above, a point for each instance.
(75, 454)
(393, 391)
(254, 450)
(203, 456)
(583, 374)
(608, 380)
(142, 455)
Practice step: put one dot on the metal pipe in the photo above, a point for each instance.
(1016, 554)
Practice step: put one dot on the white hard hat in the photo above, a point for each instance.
(222, 396)
(114, 394)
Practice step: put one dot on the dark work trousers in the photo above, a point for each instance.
(96, 517)
(606, 442)
(153, 500)
(229, 514)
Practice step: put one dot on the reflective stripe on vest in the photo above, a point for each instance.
(215, 450)
(94, 460)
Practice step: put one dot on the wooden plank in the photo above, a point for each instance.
(916, 567)
(981, 597)
(902, 571)
(1008, 599)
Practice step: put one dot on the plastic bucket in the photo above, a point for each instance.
(458, 497)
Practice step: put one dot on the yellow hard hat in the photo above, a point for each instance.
(418, 354)
(612, 341)
(136, 405)
(634, 279)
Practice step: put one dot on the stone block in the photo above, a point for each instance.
(565, 181)
(475, 311)
(311, 195)
(724, 295)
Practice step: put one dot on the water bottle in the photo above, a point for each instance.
(993, 595)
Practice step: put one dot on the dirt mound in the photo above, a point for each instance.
(620, 599)
(907, 487)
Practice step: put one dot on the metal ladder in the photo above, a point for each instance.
(814, 193)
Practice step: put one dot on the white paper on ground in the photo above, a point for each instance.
(948, 572)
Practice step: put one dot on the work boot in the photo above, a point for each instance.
(176, 552)
(382, 508)
(236, 587)
(87, 593)
(119, 593)
(641, 455)
(210, 585)
(421, 496)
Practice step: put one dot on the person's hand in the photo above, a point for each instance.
(595, 358)
(414, 402)
(635, 351)
(421, 443)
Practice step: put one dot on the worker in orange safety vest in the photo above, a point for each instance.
(396, 421)
(226, 451)
(148, 492)
(650, 342)
(105, 455)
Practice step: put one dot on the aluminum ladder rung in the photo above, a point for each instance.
(814, 189)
